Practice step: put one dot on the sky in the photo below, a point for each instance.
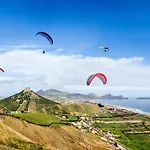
(78, 29)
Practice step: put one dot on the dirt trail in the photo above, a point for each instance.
(139, 132)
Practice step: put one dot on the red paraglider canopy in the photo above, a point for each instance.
(1, 69)
(99, 75)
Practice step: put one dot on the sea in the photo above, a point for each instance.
(137, 105)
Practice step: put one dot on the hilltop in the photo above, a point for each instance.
(60, 95)
(29, 101)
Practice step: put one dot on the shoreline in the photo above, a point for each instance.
(128, 109)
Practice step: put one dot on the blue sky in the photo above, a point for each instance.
(79, 28)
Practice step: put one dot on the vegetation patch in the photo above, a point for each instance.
(38, 118)
(133, 141)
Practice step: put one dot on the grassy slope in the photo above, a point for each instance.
(62, 138)
(10, 140)
(2, 109)
(45, 119)
(81, 108)
(38, 118)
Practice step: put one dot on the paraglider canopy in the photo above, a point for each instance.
(46, 35)
(105, 48)
(1, 69)
(101, 76)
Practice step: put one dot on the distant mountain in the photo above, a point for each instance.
(1, 97)
(60, 95)
(82, 96)
(53, 93)
(143, 98)
(29, 101)
(109, 96)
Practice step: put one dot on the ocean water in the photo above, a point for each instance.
(138, 105)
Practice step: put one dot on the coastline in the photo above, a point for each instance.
(128, 109)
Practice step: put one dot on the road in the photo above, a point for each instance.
(124, 121)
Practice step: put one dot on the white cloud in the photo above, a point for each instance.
(6, 48)
(23, 46)
(59, 50)
(16, 79)
(71, 72)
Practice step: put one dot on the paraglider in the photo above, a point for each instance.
(1, 69)
(105, 48)
(47, 36)
(101, 76)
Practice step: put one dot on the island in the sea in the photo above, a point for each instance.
(143, 98)
(109, 96)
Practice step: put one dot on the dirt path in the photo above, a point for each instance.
(139, 132)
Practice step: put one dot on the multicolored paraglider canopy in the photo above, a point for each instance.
(101, 76)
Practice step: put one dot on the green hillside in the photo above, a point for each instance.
(85, 108)
(3, 109)
(28, 101)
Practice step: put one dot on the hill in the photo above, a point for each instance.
(52, 92)
(17, 134)
(3, 109)
(143, 98)
(84, 108)
(59, 95)
(109, 96)
(29, 101)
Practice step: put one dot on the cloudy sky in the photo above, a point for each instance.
(78, 29)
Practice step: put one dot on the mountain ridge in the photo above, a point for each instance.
(53, 93)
